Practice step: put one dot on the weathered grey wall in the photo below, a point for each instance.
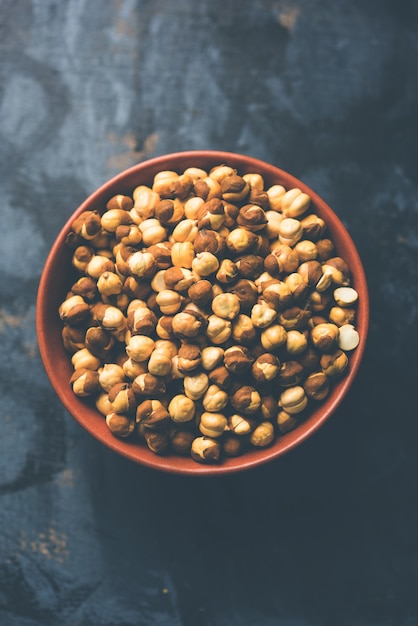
(324, 89)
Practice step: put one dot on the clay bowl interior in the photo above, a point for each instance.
(56, 279)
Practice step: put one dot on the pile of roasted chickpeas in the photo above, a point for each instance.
(209, 314)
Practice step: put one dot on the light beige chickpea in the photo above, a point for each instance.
(169, 301)
(239, 241)
(241, 424)
(290, 231)
(122, 398)
(295, 203)
(341, 315)
(195, 173)
(192, 207)
(168, 347)
(306, 250)
(162, 178)
(273, 337)
(219, 172)
(212, 424)
(262, 315)
(109, 284)
(262, 435)
(142, 264)
(218, 329)
(293, 400)
(186, 230)
(195, 386)
(296, 342)
(215, 399)
(243, 330)
(205, 450)
(145, 201)
(325, 336)
(152, 231)
(139, 347)
(226, 305)
(205, 263)
(84, 359)
(211, 357)
(272, 229)
(98, 264)
(255, 181)
(181, 408)
(324, 282)
(158, 282)
(182, 254)
(102, 403)
(159, 363)
(113, 218)
(187, 323)
(132, 368)
(275, 194)
(109, 375)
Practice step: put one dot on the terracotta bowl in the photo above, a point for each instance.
(56, 280)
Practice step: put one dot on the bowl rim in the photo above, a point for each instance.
(137, 452)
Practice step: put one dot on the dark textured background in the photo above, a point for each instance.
(325, 89)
